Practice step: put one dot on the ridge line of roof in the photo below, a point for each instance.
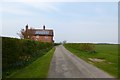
(41, 29)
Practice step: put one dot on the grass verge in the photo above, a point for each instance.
(38, 69)
(108, 53)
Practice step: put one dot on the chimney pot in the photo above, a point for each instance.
(43, 27)
(27, 27)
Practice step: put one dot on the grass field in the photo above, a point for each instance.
(38, 69)
(108, 53)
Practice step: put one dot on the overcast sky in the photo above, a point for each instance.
(71, 21)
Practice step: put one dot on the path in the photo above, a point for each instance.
(66, 65)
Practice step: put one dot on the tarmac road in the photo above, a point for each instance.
(64, 64)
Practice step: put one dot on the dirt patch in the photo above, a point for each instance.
(90, 62)
(109, 62)
(96, 59)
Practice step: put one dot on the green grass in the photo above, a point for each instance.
(38, 69)
(107, 52)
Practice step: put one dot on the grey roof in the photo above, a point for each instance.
(48, 32)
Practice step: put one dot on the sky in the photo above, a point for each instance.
(73, 21)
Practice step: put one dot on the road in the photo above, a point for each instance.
(66, 65)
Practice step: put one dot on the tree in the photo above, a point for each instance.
(64, 41)
(21, 34)
(26, 34)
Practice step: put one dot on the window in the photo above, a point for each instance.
(46, 37)
(37, 36)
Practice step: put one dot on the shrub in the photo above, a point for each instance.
(85, 47)
(56, 44)
(88, 47)
(17, 53)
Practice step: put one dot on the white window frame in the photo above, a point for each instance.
(37, 36)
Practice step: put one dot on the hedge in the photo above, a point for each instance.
(18, 53)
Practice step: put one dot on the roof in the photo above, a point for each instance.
(48, 32)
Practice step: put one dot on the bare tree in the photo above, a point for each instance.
(21, 34)
(26, 34)
(64, 41)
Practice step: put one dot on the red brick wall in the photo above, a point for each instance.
(43, 38)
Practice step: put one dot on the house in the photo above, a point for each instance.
(42, 35)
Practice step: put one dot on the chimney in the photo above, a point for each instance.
(43, 27)
(27, 27)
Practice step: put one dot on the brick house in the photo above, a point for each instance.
(42, 35)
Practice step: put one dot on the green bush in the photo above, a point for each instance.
(17, 53)
(88, 47)
(85, 47)
(56, 44)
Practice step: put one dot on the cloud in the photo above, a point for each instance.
(24, 8)
(49, 7)
(14, 10)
